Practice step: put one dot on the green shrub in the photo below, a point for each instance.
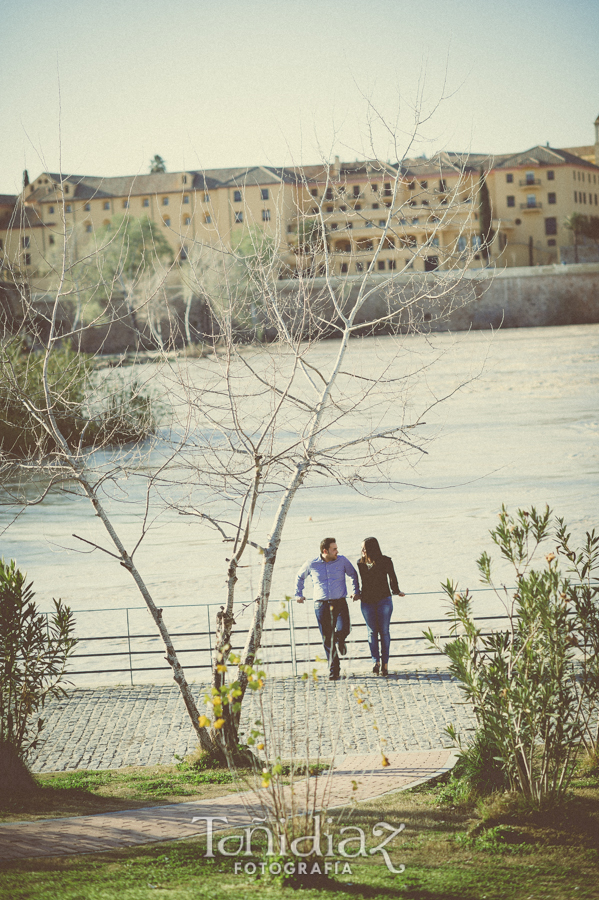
(123, 414)
(534, 686)
(34, 650)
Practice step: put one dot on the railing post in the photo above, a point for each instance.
(129, 646)
(292, 638)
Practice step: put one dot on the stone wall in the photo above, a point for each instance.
(477, 299)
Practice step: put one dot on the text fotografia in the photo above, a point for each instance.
(351, 844)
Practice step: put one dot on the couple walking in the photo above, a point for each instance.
(328, 572)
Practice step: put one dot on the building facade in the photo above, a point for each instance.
(347, 219)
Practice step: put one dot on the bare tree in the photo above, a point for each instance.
(256, 423)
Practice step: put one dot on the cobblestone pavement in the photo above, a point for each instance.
(356, 778)
(111, 727)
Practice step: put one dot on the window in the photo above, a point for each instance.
(412, 186)
(531, 201)
(314, 192)
(382, 223)
(185, 198)
(266, 215)
(551, 225)
(388, 244)
(461, 244)
(415, 220)
(183, 254)
(208, 219)
(88, 227)
(87, 207)
(238, 217)
(431, 263)
(359, 267)
(509, 177)
(334, 226)
(206, 198)
(26, 241)
(424, 203)
(187, 220)
(329, 194)
(356, 190)
(530, 178)
(184, 181)
(145, 201)
(518, 221)
(66, 189)
(551, 242)
(511, 200)
(106, 204)
(375, 205)
(329, 209)
(550, 175)
(51, 210)
(424, 184)
(342, 208)
(165, 201)
(387, 189)
(434, 242)
(357, 206)
(237, 196)
(584, 197)
(349, 225)
(392, 265)
(476, 242)
(380, 265)
(374, 188)
(125, 204)
(68, 208)
(264, 194)
(551, 198)
(368, 224)
(575, 196)
(27, 259)
(344, 267)
(167, 222)
(50, 240)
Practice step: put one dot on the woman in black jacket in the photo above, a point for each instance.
(378, 583)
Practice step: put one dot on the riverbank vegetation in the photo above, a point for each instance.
(87, 413)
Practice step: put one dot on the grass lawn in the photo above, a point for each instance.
(448, 850)
(87, 792)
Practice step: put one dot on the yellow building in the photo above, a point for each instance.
(451, 211)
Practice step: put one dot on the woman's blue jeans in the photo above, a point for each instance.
(378, 618)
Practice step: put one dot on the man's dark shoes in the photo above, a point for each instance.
(334, 677)
(341, 646)
(375, 669)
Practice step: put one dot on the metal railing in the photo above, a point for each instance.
(288, 646)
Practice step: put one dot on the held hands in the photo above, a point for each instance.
(400, 594)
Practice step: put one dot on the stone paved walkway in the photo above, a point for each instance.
(357, 777)
(148, 724)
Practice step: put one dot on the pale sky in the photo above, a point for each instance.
(109, 83)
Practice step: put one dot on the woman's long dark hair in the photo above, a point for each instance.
(373, 551)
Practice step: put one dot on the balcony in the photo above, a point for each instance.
(531, 207)
(530, 182)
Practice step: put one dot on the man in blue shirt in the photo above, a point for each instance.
(328, 572)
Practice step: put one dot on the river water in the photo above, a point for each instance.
(523, 429)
